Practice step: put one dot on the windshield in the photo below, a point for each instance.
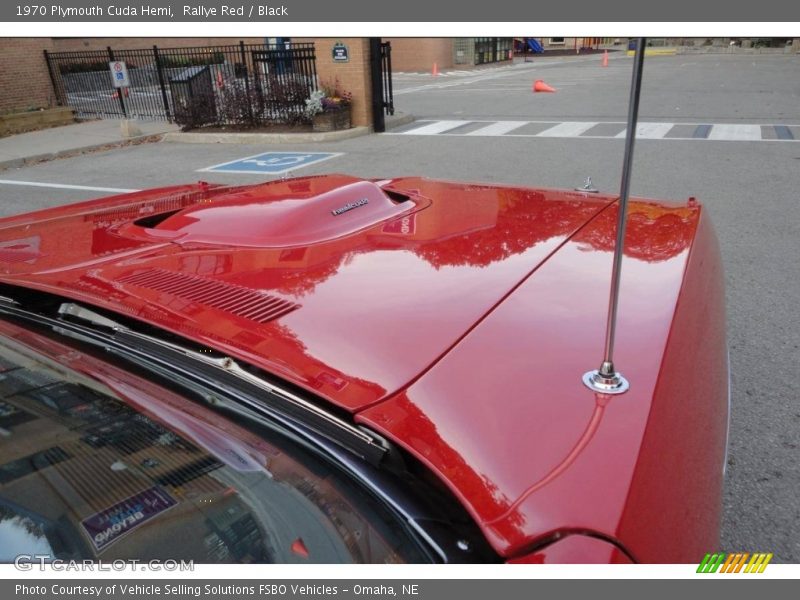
(96, 462)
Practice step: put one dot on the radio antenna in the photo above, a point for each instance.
(606, 379)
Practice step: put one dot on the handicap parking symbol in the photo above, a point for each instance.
(274, 163)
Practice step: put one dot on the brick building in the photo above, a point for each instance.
(353, 75)
(134, 43)
(25, 81)
(22, 61)
(573, 43)
(420, 54)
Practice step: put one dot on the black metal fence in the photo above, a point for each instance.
(380, 67)
(386, 78)
(244, 84)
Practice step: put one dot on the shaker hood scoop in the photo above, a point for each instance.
(250, 218)
(348, 288)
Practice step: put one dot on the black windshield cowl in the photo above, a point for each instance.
(222, 384)
(205, 369)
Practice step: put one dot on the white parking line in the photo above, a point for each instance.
(613, 129)
(65, 186)
(499, 128)
(649, 131)
(436, 127)
(568, 129)
(735, 132)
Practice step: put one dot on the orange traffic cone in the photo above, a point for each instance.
(435, 70)
(605, 58)
(299, 548)
(541, 86)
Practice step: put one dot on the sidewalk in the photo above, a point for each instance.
(56, 142)
(46, 144)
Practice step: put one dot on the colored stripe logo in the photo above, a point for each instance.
(738, 562)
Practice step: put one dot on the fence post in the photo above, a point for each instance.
(378, 120)
(386, 65)
(246, 82)
(120, 92)
(161, 83)
(59, 100)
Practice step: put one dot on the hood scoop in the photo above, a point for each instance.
(247, 303)
(255, 218)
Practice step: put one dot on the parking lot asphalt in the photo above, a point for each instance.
(725, 129)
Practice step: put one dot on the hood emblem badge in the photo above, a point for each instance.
(349, 206)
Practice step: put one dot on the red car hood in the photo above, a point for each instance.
(455, 319)
(349, 288)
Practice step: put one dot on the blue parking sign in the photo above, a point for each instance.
(273, 163)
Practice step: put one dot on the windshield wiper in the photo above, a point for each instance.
(225, 384)
(214, 377)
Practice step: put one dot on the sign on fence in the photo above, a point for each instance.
(119, 73)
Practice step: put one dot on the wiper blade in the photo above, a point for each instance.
(222, 375)
(84, 314)
(230, 375)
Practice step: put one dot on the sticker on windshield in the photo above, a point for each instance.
(110, 524)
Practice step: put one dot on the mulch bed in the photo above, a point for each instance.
(267, 128)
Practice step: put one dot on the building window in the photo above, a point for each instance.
(489, 50)
(464, 51)
(558, 41)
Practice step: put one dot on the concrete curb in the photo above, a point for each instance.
(656, 52)
(209, 138)
(16, 163)
(190, 137)
(398, 120)
(737, 50)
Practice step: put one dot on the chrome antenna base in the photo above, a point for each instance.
(606, 380)
(588, 187)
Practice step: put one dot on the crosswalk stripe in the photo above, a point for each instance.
(735, 132)
(783, 132)
(499, 128)
(435, 127)
(606, 130)
(568, 129)
(649, 131)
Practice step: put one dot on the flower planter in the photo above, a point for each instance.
(332, 120)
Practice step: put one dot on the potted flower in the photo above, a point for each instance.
(329, 108)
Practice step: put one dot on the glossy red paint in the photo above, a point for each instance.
(577, 549)
(455, 319)
(377, 304)
(506, 421)
(268, 218)
(673, 507)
